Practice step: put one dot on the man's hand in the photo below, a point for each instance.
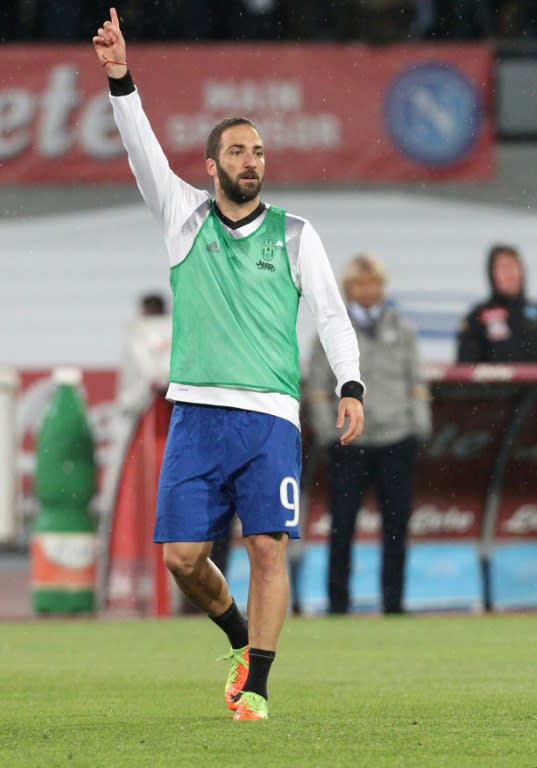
(353, 410)
(110, 47)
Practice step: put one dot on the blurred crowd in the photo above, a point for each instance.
(376, 21)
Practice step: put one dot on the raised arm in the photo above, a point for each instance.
(110, 47)
(170, 199)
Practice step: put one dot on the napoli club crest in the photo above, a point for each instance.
(433, 114)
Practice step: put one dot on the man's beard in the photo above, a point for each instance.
(233, 190)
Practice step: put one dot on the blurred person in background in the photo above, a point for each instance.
(144, 368)
(142, 375)
(398, 416)
(502, 329)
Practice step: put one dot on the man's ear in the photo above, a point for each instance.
(210, 164)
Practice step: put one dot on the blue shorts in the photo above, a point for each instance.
(222, 461)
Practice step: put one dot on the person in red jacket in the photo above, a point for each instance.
(502, 329)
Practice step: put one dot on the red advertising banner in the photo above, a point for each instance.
(327, 113)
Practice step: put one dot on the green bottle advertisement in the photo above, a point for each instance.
(64, 543)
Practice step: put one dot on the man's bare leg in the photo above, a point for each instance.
(268, 599)
(197, 576)
(202, 582)
(268, 596)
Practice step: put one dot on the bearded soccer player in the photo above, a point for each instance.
(238, 269)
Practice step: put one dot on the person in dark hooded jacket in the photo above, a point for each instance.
(502, 329)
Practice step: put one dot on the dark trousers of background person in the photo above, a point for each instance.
(352, 471)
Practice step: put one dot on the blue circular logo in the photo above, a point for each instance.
(433, 114)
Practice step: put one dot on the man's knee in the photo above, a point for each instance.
(184, 559)
(267, 551)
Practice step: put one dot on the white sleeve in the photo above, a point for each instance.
(168, 197)
(321, 294)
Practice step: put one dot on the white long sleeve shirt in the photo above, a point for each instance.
(180, 210)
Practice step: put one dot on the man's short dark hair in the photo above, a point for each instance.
(495, 251)
(153, 304)
(212, 146)
(498, 248)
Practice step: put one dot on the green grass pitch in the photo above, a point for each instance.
(394, 692)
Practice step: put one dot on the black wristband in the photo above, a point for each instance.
(121, 86)
(353, 389)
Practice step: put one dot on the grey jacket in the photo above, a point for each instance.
(396, 403)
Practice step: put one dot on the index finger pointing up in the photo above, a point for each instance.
(114, 18)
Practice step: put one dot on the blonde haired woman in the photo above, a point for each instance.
(397, 416)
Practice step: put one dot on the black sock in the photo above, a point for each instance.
(260, 663)
(233, 623)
